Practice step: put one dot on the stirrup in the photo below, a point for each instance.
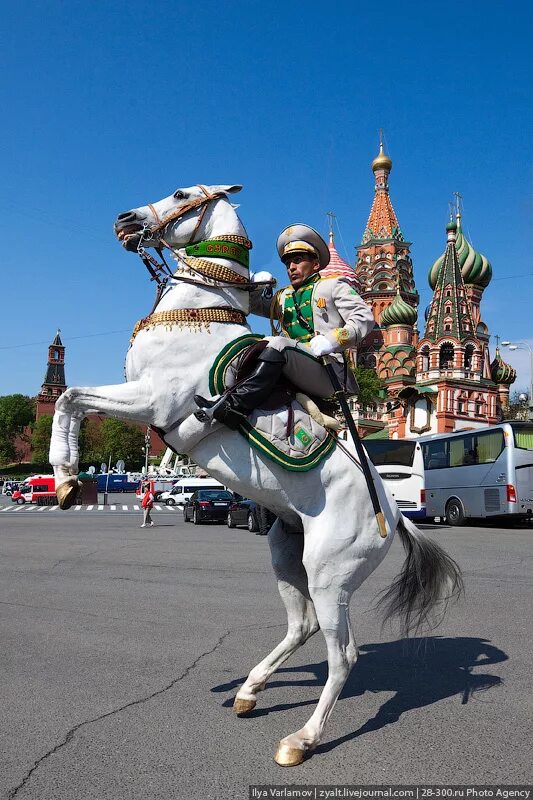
(220, 409)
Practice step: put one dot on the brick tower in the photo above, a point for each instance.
(384, 270)
(54, 380)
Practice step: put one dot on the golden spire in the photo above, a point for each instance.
(382, 161)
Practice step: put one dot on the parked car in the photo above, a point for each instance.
(9, 487)
(257, 519)
(207, 505)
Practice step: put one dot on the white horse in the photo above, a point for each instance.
(325, 541)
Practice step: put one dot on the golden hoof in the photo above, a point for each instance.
(243, 707)
(289, 756)
(67, 493)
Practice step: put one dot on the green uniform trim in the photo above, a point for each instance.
(218, 248)
(302, 298)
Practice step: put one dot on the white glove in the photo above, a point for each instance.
(321, 346)
(259, 277)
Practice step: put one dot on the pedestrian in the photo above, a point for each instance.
(317, 317)
(147, 503)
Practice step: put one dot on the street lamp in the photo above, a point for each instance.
(147, 443)
(525, 346)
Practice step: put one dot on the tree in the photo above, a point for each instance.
(517, 409)
(17, 411)
(114, 439)
(370, 386)
(40, 438)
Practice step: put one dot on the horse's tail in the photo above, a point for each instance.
(429, 578)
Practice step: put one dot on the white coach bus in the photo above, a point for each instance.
(483, 472)
(401, 466)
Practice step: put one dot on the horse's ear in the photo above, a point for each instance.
(232, 189)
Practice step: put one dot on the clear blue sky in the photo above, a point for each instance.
(106, 106)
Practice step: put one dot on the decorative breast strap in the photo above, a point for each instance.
(195, 318)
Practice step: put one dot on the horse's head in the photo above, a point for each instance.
(178, 218)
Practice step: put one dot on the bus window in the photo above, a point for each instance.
(390, 451)
(435, 456)
(523, 438)
(489, 446)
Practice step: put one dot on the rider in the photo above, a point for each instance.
(318, 317)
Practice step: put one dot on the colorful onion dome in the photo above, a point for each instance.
(381, 161)
(500, 372)
(475, 267)
(338, 267)
(398, 313)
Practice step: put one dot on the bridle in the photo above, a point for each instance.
(182, 210)
(224, 277)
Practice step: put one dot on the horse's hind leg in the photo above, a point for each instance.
(287, 550)
(333, 615)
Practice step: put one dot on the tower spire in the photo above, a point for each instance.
(331, 218)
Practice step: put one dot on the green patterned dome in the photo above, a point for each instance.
(399, 313)
(500, 372)
(476, 269)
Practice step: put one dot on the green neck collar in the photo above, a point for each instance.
(218, 248)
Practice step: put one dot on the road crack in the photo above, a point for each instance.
(140, 701)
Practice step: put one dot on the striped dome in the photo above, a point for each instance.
(476, 269)
(338, 267)
(398, 313)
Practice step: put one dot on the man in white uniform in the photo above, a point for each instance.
(317, 316)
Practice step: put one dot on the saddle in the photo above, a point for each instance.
(289, 427)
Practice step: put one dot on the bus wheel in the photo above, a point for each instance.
(454, 513)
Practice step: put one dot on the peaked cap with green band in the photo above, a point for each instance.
(299, 238)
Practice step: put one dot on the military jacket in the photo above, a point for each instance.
(330, 306)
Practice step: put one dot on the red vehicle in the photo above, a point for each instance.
(40, 489)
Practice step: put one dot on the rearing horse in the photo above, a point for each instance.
(325, 541)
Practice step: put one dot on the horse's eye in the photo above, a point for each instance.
(179, 195)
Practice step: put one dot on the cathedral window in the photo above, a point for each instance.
(469, 355)
(424, 359)
(446, 356)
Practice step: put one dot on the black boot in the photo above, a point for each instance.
(250, 394)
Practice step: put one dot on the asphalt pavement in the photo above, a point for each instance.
(122, 650)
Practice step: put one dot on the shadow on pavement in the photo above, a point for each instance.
(419, 672)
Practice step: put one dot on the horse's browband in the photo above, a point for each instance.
(189, 318)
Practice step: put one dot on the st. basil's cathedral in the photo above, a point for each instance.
(443, 380)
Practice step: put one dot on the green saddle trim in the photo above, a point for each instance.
(291, 463)
(255, 439)
(218, 248)
(217, 373)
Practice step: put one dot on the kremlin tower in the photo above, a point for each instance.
(54, 380)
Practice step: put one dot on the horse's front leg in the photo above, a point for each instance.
(131, 402)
